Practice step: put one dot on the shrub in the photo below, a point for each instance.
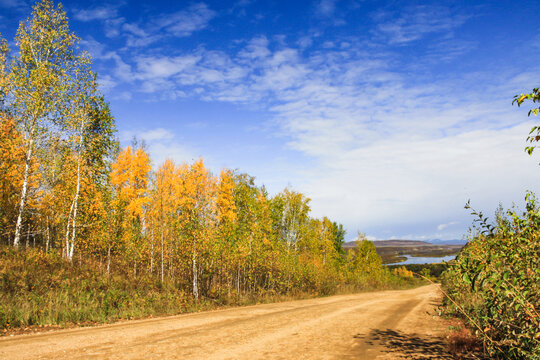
(496, 281)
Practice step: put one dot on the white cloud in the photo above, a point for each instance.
(387, 147)
(180, 24)
(106, 83)
(113, 27)
(441, 227)
(151, 68)
(98, 13)
(416, 22)
(257, 48)
(12, 3)
(158, 134)
(161, 143)
(325, 7)
(162, 151)
(183, 23)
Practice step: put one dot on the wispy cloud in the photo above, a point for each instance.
(325, 7)
(13, 3)
(387, 141)
(161, 143)
(416, 22)
(448, 49)
(97, 13)
(158, 134)
(441, 227)
(408, 151)
(183, 23)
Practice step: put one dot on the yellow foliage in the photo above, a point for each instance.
(403, 272)
(226, 209)
(130, 176)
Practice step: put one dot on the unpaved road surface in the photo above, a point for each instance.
(375, 325)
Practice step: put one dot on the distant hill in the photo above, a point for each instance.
(394, 250)
(448, 242)
(398, 242)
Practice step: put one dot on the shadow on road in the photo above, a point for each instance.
(406, 346)
(413, 347)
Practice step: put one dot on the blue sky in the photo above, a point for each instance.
(389, 115)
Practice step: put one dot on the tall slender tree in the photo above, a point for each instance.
(130, 177)
(197, 215)
(40, 81)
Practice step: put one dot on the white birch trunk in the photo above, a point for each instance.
(48, 236)
(195, 274)
(71, 245)
(162, 263)
(75, 204)
(152, 255)
(109, 260)
(24, 191)
(65, 251)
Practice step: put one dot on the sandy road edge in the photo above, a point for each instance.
(126, 322)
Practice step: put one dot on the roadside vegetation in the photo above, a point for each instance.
(494, 284)
(92, 232)
(430, 271)
(42, 289)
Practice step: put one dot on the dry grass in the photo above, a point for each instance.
(462, 343)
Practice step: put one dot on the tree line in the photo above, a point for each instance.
(67, 188)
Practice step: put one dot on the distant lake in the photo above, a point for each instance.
(424, 260)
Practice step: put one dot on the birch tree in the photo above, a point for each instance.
(293, 210)
(37, 83)
(130, 178)
(196, 216)
(165, 198)
(10, 174)
(90, 129)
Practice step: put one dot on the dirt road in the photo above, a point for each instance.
(376, 325)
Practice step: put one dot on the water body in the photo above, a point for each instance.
(424, 260)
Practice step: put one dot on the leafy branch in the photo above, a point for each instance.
(534, 134)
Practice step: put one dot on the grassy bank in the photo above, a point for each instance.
(38, 289)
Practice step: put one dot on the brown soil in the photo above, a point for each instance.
(376, 325)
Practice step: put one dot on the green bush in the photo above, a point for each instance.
(496, 281)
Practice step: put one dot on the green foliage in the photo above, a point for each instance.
(364, 257)
(496, 280)
(339, 238)
(534, 134)
(427, 270)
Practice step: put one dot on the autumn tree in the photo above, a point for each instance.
(338, 237)
(89, 127)
(12, 157)
(164, 205)
(227, 221)
(290, 213)
(130, 178)
(196, 216)
(40, 82)
(364, 257)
